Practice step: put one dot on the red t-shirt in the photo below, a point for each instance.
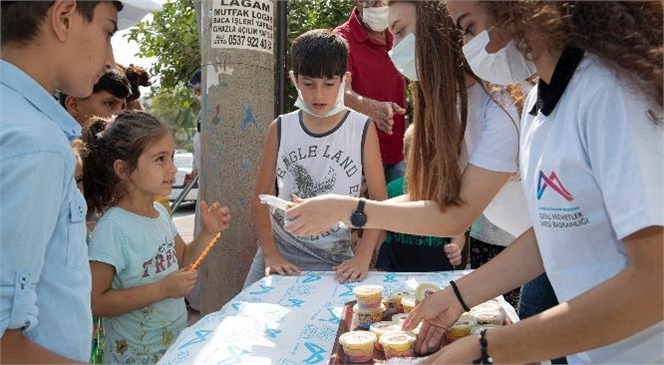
(375, 77)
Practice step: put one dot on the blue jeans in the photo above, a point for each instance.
(394, 171)
(536, 297)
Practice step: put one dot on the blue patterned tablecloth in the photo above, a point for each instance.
(285, 320)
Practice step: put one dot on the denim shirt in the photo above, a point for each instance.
(45, 282)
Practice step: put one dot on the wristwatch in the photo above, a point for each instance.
(358, 219)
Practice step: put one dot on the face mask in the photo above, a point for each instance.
(338, 105)
(403, 57)
(507, 66)
(376, 18)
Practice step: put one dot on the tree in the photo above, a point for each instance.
(171, 37)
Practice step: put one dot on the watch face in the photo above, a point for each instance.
(358, 219)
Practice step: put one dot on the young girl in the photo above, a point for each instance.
(591, 162)
(321, 148)
(139, 262)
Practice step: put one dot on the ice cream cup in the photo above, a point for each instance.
(425, 290)
(369, 296)
(398, 344)
(382, 327)
(488, 313)
(396, 300)
(408, 303)
(461, 328)
(367, 316)
(399, 317)
(358, 346)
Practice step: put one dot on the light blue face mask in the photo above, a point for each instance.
(338, 105)
(403, 57)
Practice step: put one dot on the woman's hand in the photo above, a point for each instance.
(215, 218)
(316, 215)
(462, 351)
(437, 313)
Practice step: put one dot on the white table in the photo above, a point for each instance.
(285, 320)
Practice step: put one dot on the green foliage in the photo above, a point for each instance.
(172, 38)
(180, 116)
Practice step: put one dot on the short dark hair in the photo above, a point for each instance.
(114, 81)
(195, 80)
(20, 20)
(319, 53)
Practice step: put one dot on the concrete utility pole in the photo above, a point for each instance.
(237, 49)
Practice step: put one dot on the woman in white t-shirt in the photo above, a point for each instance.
(464, 153)
(591, 164)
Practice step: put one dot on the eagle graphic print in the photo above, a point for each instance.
(310, 165)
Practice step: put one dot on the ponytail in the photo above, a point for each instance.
(101, 184)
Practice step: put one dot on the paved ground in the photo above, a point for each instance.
(184, 221)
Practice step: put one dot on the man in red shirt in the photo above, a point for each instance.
(378, 89)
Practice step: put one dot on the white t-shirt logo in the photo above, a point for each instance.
(554, 183)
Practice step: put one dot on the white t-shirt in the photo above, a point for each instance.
(492, 143)
(592, 173)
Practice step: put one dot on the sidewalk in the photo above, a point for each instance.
(184, 222)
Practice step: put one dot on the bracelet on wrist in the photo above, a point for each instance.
(458, 295)
(484, 358)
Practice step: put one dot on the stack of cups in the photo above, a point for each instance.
(369, 308)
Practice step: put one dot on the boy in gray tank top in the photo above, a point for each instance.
(321, 148)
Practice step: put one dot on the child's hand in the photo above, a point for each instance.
(352, 270)
(277, 264)
(179, 283)
(453, 253)
(215, 218)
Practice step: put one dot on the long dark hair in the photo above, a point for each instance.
(106, 141)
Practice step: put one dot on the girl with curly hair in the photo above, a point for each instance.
(591, 163)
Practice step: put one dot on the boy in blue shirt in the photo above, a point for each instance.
(45, 314)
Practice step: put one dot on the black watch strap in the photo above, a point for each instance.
(358, 219)
(360, 205)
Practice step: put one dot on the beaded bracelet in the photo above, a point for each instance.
(485, 358)
(458, 295)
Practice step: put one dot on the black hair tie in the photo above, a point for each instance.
(458, 295)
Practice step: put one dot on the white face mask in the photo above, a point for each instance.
(507, 66)
(403, 57)
(376, 18)
(338, 105)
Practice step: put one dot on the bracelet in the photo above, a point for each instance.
(458, 295)
(485, 358)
